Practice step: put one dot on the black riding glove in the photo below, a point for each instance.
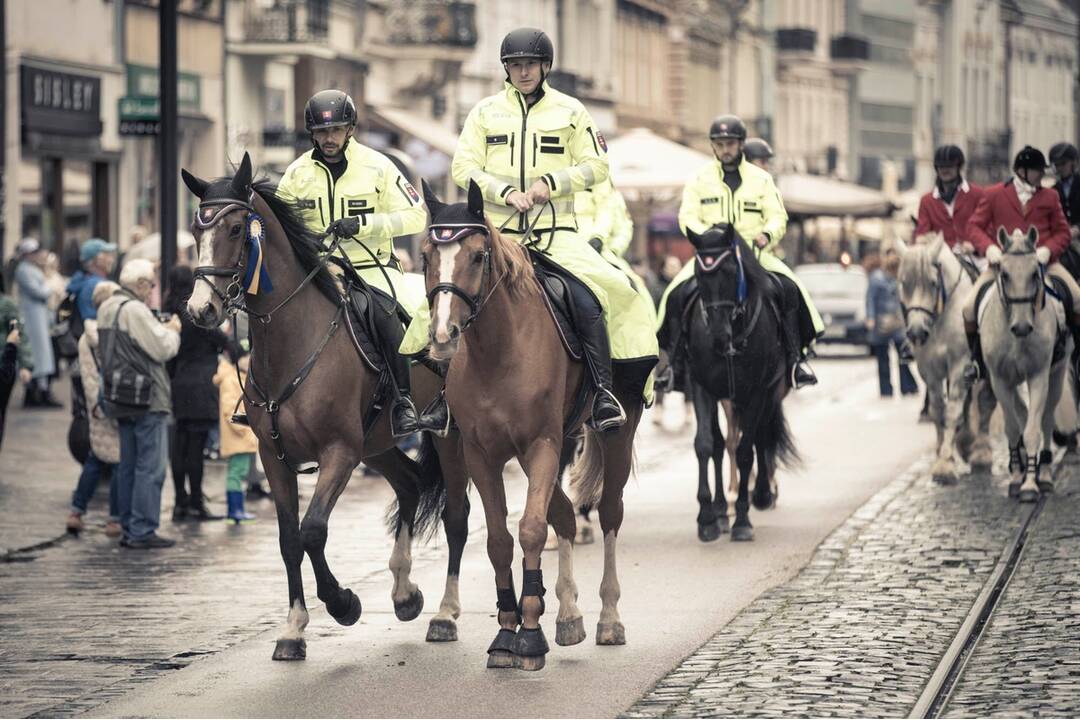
(345, 227)
(596, 243)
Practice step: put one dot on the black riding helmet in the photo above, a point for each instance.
(1029, 158)
(949, 155)
(757, 149)
(525, 43)
(727, 126)
(1063, 152)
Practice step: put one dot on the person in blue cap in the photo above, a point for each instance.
(96, 261)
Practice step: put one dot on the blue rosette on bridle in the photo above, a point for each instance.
(256, 275)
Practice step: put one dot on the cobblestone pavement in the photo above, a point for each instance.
(1027, 663)
(861, 629)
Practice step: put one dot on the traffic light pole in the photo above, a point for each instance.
(168, 138)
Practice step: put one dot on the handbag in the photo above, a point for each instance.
(123, 382)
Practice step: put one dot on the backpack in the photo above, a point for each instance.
(79, 430)
(126, 382)
(68, 327)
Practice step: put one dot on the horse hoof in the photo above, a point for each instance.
(763, 501)
(411, 608)
(981, 467)
(1014, 489)
(570, 632)
(442, 630)
(352, 614)
(530, 663)
(529, 642)
(742, 533)
(500, 659)
(1045, 486)
(290, 650)
(1029, 496)
(610, 634)
(585, 536)
(724, 524)
(708, 532)
(945, 478)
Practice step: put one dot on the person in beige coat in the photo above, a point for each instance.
(104, 433)
(238, 442)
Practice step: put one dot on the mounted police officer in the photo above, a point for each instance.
(530, 148)
(342, 185)
(734, 191)
(1066, 161)
(758, 152)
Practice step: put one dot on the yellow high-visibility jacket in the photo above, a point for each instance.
(371, 188)
(508, 146)
(755, 208)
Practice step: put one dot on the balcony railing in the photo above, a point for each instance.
(849, 48)
(288, 21)
(430, 22)
(796, 39)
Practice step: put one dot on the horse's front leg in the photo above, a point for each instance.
(982, 452)
(1014, 414)
(290, 643)
(443, 626)
(705, 441)
(1038, 399)
(948, 422)
(403, 474)
(741, 529)
(1057, 385)
(335, 465)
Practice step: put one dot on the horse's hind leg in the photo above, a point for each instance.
(1057, 380)
(443, 626)
(764, 498)
(290, 643)
(569, 624)
(731, 443)
(708, 427)
(335, 464)
(403, 475)
(982, 452)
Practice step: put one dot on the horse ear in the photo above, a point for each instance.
(1033, 236)
(1003, 237)
(241, 182)
(194, 184)
(693, 237)
(476, 200)
(430, 199)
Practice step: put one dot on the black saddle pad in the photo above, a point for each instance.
(559, 301)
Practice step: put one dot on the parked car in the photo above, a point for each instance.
(839, 292)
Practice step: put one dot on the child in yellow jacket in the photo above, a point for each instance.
(238, 442)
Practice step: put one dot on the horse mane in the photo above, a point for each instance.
(756, 275)
(510, 261)
(306, 245)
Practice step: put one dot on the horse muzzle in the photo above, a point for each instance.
(204, 314)
(918, 335)
(1021, 329)
(444, 343)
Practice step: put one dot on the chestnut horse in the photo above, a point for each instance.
(308, 390)
(512, 388)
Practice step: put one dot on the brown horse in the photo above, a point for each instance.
(308, 390)
(512, 388)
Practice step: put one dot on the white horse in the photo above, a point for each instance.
(934, 288)
(1019, 329)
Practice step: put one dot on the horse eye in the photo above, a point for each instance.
(477, 258)
(235, 231)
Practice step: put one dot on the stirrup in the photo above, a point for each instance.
(807, 378)
(436, 416)
(410, 422)
(610, 423)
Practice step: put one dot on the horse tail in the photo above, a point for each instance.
(431, 486)
(774, 438)
(587, 472)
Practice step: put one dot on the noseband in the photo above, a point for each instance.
(455, 233)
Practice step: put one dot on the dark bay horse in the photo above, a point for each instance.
(737, 354)
(308, 389)
(512, 389)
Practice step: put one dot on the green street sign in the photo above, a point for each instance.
(138, 108)
(142, 82)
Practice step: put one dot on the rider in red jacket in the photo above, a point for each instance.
(1021, 202)
(947, 208)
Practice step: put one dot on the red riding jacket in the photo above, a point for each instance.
(935, 215)
(1000, 206)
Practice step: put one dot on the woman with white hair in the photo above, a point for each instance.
(34, 293)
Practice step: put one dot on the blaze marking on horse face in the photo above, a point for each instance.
(202, 295)
(447, 257)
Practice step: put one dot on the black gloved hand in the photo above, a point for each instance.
(345, 227)
(596, 244)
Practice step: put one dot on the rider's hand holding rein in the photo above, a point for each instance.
(519, 201)
(761, 240)
(539, 193)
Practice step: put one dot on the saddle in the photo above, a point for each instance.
(559, 302)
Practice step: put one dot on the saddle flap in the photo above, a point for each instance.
(559, 302)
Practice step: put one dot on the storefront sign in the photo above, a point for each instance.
(142, 82)
(60, 103)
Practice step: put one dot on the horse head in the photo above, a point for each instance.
(1019, 267)
(721, 277)
(928, 271)
(456, 259)
(221, 227)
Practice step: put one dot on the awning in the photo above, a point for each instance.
(814, 195)
(646, 163)
(417, 126)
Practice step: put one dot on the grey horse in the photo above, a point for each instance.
(1019, 329)
(933, 289)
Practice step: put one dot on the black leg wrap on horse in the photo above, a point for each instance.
(507, 600)
(533, 586)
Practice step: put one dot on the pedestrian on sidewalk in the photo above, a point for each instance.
(34, 293)
(134, 347)
(886, 322)
(194, 398)
(104, 431)
(238, 442)
(8, 363)
(24, 362)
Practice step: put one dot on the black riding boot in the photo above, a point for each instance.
(403, 415)
(607, 413)
(794, 334)
(976, 369)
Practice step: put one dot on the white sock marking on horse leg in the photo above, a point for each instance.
(565, 587)
(447, 255)
(297, 621)
(450, 607)
(609, 585)
(401, 566)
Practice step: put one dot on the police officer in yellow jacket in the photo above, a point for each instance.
(732, 190)
(339, 183)
(530, 148)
